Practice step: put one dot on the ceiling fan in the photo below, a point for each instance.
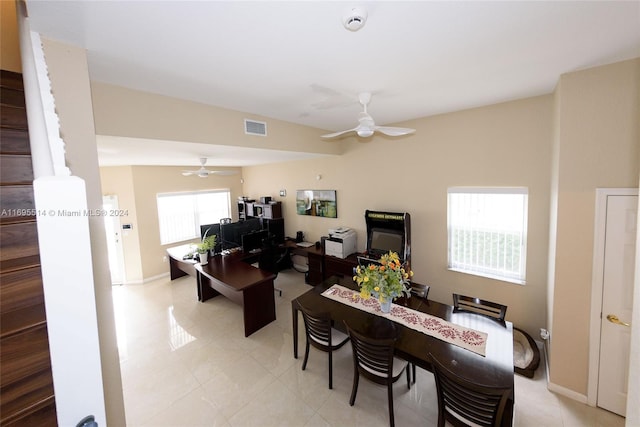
(367, 126)
(203, 172)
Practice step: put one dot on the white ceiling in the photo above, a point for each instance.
(295, 61)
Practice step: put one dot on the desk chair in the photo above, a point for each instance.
(373, 359)
(479, 306)
(321, 335)
(274, 258)
(465, 403)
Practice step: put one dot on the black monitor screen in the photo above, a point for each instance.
(232, 233)
(253, 241)
(385, 240)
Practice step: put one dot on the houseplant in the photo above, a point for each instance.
(385, 280)
(204, 247)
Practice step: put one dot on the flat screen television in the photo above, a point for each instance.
(383, 240)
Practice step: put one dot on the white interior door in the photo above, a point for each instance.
(113, 229)
(617, 301)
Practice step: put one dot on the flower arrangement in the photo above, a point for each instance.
(386, 281)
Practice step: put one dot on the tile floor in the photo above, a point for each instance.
(186, 363)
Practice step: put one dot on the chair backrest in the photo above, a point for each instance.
(274, 258)
(421, 291)
(463, 402)
(480, 306)
(317, 327)
(372, 356)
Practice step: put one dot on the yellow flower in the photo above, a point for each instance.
(365, 278)
(377, 288)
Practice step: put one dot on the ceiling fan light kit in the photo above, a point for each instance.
(367, 126)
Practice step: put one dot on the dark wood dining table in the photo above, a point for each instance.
(495, 368)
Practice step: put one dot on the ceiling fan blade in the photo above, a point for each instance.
(223, 173)
(335, 134)
(187, 173)
(394, 131)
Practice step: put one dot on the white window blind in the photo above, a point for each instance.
(488, 232)
(181, 214)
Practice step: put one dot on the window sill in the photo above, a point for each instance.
(489, 276)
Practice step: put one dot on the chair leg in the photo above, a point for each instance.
(408, 369)
(354, 390)
(330, 370)
(306, 356)
(390, 393)
(413, 372)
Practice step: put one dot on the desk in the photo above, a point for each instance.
(178, 266)
(247, 286)
(496, 368)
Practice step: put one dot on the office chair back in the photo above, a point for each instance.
(463, 403)
(479, 306)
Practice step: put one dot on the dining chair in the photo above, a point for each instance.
(421, 291)
(464, 403)
(320, 334)
(479, 306)
(373, 358)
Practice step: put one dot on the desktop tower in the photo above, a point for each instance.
(275, 227)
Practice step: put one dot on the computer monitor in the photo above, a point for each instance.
(231, 234)
(252, 242)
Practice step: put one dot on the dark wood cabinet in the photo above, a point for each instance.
(341, 267)
(315, 275)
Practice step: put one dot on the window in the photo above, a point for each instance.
(488, 232)
(181, 214)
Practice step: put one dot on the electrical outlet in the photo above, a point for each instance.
(164, 259)
(544, 334)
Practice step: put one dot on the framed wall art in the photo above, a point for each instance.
(317, 203)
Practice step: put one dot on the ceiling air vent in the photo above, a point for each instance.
(252, 127)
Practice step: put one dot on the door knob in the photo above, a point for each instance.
(614, 319)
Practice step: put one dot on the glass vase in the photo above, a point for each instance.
(386, 305)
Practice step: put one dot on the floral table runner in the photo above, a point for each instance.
(436, 327)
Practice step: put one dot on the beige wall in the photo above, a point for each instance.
(118, 181)
(136, 188)
(500, 145)
(597, 145)
(69, 75)
(9, 43)
(130, 113)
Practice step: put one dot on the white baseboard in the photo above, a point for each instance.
(555, 387)
(146, 280)
(567, 393)
(151, 279)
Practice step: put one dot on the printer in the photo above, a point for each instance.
(341, 242)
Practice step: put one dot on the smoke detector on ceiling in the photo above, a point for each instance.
(355, 19)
